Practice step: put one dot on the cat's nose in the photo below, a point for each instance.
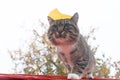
(60, 34)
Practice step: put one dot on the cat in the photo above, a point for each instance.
(72, 48)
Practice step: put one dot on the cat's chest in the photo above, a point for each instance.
(65, 51)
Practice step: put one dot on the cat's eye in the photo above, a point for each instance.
(54, 28)
(66, 26)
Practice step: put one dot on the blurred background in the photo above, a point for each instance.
(24, 47)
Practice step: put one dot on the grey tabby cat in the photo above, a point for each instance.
(72, 47)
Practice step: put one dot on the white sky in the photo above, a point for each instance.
(19, 17)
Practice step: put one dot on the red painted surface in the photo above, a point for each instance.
(40, 77)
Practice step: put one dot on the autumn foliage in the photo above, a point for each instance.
(40, 58)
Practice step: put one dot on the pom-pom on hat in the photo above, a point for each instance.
(56, 15)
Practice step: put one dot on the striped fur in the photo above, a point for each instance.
(72, 47)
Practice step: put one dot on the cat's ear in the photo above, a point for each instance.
(75, 17)
(50, 20)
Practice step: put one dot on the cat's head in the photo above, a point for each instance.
(63, 31)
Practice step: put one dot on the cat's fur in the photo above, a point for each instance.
(72, 47)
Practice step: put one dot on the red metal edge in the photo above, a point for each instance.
(41, 77)
(30, 77)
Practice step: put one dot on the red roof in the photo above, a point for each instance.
(40, 77)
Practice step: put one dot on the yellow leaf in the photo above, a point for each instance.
(56, 15)
(105, 70)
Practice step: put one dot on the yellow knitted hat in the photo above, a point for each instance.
(56, 15)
